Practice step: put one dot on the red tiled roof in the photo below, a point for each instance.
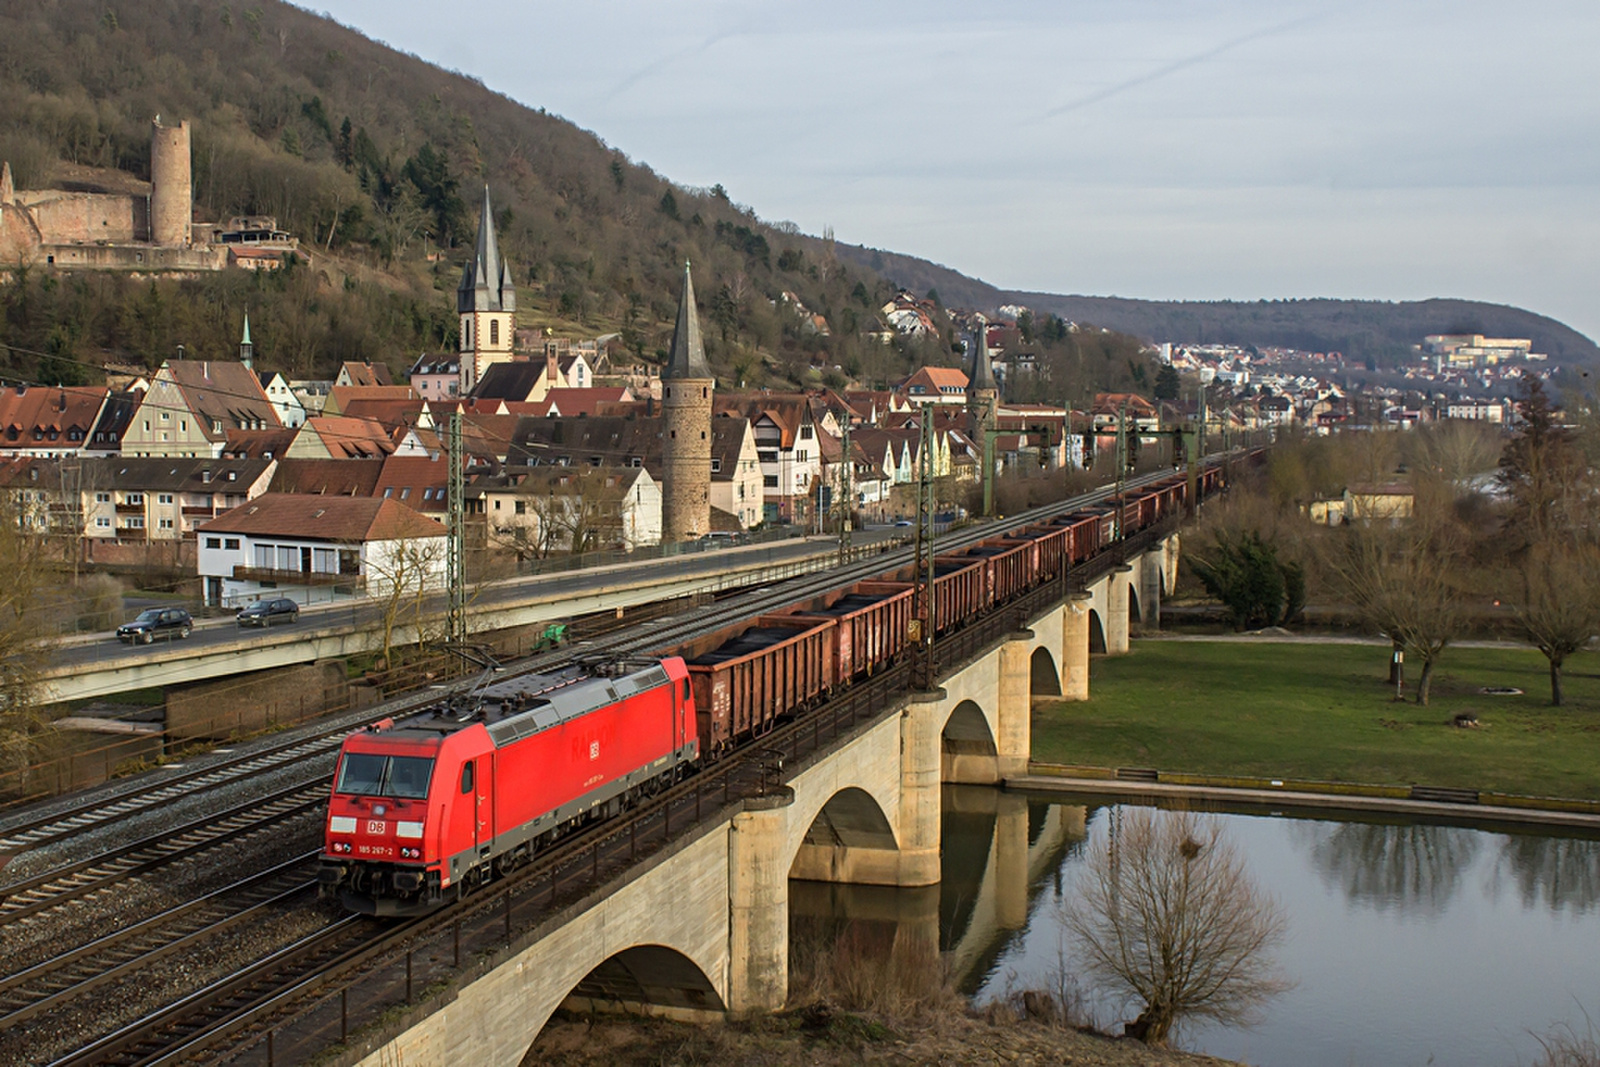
(342, 519)
(350, 438)
(24, 409)
(327, 477)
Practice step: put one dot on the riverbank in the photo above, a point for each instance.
(1322, 711)
(816, 1036)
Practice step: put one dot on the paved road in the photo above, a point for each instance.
(215, 633)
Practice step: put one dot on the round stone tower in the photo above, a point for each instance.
(686, 387)
(171, 199)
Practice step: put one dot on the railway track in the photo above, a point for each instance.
(58, 981)
(246, 1000)
(116, 865)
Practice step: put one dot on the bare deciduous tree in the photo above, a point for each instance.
(400, 580)
(1559, 607)
(1168, 917)
(22, 561)
(1402, 580)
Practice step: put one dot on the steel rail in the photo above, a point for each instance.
(73, 973)
(60, 885)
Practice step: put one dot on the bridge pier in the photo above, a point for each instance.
(921, 766)
(1171, 547)
(1014, 711)
(1151, 567)
(1116, 620)
(1075, 647)
(758, 906)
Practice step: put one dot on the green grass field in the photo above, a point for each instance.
(1325, 712)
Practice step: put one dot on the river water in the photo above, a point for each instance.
(1408, 943)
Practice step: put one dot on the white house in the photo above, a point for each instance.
(290, 408)
(314, 549)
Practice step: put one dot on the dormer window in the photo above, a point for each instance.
(216, 425)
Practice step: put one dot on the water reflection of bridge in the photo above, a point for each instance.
(1000, 850)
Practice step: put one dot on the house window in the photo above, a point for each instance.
(770, 481)
(494, 331)
(166, 524)
(805, 432)
(231, 543)
(164, 498)
(716, 465)
(103, 522)
(133, 498)
(266, 555)
(325, 560)
(102, 498)
(136, 523)
(213, 542)
(388, 491)
(166, 416)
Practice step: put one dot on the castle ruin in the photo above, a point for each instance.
(84, 228)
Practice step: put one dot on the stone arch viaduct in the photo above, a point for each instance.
(702, 928)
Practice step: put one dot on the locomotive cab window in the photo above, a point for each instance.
(404, 777)
(466, 778)
(686, 689)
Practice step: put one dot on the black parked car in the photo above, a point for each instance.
(156, 622)
(267, 612)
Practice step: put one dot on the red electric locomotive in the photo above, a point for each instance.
(423, 810)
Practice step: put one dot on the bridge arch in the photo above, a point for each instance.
(967, 730)
(849, 837)
(650, 979)
(1044, 678)
(1133, 604)
(1097, 633)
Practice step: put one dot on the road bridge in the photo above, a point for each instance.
(87, 670)
(701, 928)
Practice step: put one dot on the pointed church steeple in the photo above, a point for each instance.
(982, 368)
(486, 302)
(486, 281)
(247, 351)
(688, 358)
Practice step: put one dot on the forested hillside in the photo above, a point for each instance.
(376, 160)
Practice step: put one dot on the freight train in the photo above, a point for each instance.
(425, 809)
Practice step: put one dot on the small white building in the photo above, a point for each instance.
(315, 549)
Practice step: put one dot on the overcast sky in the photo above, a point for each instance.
(1169, 149)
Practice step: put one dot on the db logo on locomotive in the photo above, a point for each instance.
(374, 827)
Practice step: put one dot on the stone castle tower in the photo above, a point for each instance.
(983, 394)
(487, 303)
(686, 387)
(171, 191)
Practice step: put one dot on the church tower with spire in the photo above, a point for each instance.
(686, 387)
(487, 304)
(247, 351)
(983, 394)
